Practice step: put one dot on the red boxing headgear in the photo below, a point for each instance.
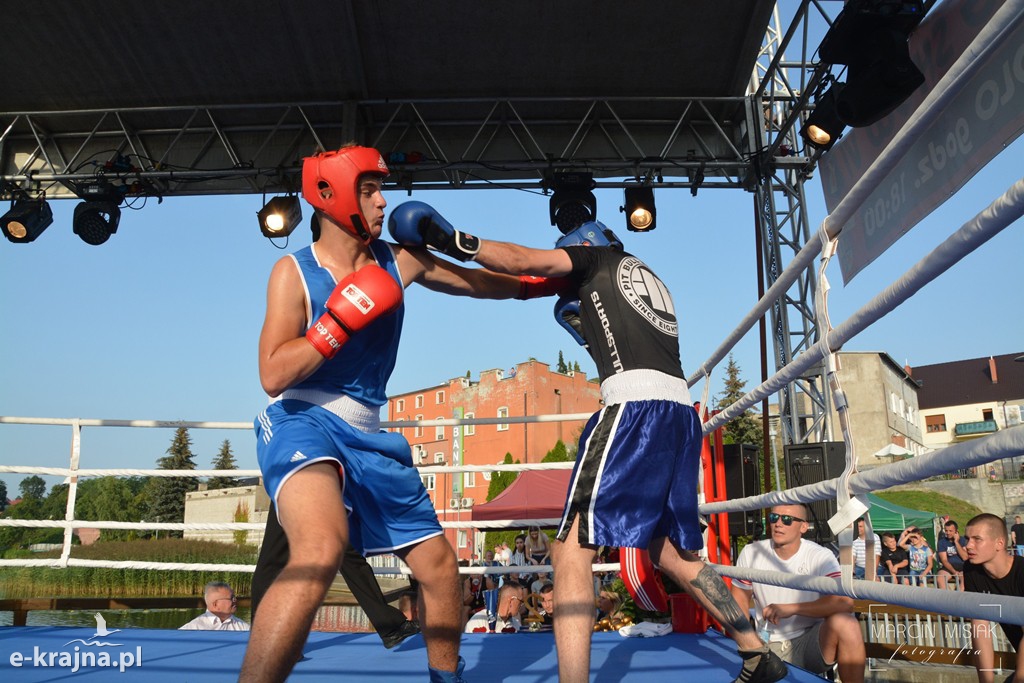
(340, 171)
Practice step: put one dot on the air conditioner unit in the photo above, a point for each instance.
(439, 458)
(421, 458)
(467, 502)
(453, 502)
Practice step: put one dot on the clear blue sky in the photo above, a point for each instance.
(162, 321)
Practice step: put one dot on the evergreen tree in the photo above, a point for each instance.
(745, 428)
(557, 454)
(32, 487)
(501, 480)
(225, 460)
(166, 495)
(576, 366)
(3, 495)
(562, 367)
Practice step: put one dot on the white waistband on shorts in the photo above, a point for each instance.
(363, 418)
(644, 385)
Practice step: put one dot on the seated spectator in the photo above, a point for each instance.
(547, 604)
(519, 558)
(541, 581)
(472, 595)
(812, 630)
(921, 556)
(609, 612)
(1017, 530)
(510, 605)
(538, 546)
(895, 560)
(860, 549)
(952, 552)
(221, 604)
(990, 568)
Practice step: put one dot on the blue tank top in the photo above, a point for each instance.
(363, 366)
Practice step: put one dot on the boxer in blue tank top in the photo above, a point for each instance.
(327, 348)
(635, 480)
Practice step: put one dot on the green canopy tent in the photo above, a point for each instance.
(886, 516)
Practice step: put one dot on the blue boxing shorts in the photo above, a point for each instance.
(636, 476)
(388, 506)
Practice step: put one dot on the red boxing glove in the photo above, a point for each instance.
(531, 287)
(357, 301)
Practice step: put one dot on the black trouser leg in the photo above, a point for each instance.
(354, 569)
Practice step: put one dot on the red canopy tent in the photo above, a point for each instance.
(535, 494)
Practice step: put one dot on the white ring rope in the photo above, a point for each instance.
(975, 232)
(949, 86)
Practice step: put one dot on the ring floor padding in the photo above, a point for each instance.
(199, 656)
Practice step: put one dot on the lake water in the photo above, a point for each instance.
(345, 619)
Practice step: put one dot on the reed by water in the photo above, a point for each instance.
(86, 582)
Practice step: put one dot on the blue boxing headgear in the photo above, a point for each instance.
(590, 234)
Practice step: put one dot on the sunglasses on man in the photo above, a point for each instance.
(788, 520)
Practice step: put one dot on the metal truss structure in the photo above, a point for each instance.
(748, 143)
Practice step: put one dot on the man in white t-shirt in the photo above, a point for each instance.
(860, 550)
(811, 630)
(221, 604)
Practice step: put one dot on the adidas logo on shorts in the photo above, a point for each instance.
(297, 457)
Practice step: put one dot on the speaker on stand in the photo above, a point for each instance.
(810, 463)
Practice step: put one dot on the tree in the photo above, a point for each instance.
(225, 460)
(576, 366)
(166, 495)
(3, 495)
(562, 367)
(116, 499)
(501, 480)
(241, 516)
(558, 454)
(32, 487)
(746, 428)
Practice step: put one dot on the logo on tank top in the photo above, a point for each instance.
(648, 295)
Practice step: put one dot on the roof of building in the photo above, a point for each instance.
(970, 381)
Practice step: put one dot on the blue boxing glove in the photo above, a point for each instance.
(418, 224)
(567, 313)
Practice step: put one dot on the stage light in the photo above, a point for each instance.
(96, 221)
(280, 216)
(641, 214)
(26, 220)
(572, 202)
(824, 127)
(870, 38)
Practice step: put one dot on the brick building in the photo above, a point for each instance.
(529, 388)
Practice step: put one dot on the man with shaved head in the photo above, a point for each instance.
(990, 568)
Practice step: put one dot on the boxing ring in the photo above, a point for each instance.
(216, 656)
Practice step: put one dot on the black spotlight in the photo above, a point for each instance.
(824, 127)
(572, 202)
(280, 216)
(641, 215)
(96, 221)
(870, 38)
(26, 220)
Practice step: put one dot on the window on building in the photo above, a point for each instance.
(469, 430)
(439, 398)
(419, 400)
(439, 458)
(463, 538)
(439, 431)
(400, 405)
(935, 423)
(894, 402)
(419, 428)
(468, 480)
(417, 454)
(503, 412)
(987, 415)
(428, 482)
(398, 429)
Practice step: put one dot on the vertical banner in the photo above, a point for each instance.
(457, 455)
(986, 116)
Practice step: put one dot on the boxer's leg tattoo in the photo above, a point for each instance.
(717, 593)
